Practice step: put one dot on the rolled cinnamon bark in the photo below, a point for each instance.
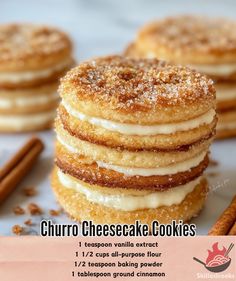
(233, 230)
(225, 221)
(18, 166)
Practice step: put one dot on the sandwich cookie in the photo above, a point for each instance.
(132, 141)
(32, 59)
(205, 44)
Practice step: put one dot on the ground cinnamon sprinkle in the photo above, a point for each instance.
(54, 212)
(29, 191)
(212, 174)
(213, 163)
(28, 222)
(18, 210)
(125, 84)
(17, 229)
(34, 209)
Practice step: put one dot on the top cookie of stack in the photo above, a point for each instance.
(207, 45)
(32, 59)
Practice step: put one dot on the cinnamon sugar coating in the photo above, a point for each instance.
(126, 86)
(29, 46)
(195, 32)
(191, 39)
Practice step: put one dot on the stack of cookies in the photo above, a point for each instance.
(207, 45)
(32, 59)
(132, 141)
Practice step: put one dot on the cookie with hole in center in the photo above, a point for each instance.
(132, 140)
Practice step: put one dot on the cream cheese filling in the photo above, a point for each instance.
(22, 76)
(146, 172)
(210, 69)
(131, 129)
(20, 121)
(226, 126)
(33, 100)
(127, 203)
(160, 171)
(215, 69)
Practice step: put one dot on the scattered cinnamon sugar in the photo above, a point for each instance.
(185, 33)
(137, 84)
(34, 209)
(29, 191)
(55, 213)
(213, 163)
(21, 42)
(212, 174)
(18, 210)
(28, 222)
(17, 229)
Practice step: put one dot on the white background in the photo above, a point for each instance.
(100, 27)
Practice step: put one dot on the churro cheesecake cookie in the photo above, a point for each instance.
(32, 59)
(132, 141)
(205, 44)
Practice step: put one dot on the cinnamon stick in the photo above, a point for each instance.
(18, 166)
(225, 221)
(233, 230)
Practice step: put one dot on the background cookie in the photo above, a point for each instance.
(32, 59)
(205, 44)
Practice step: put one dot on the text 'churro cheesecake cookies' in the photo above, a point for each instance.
(132, 141)
(207, 45)
(32, 59)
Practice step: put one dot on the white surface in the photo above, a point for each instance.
(100, 27)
